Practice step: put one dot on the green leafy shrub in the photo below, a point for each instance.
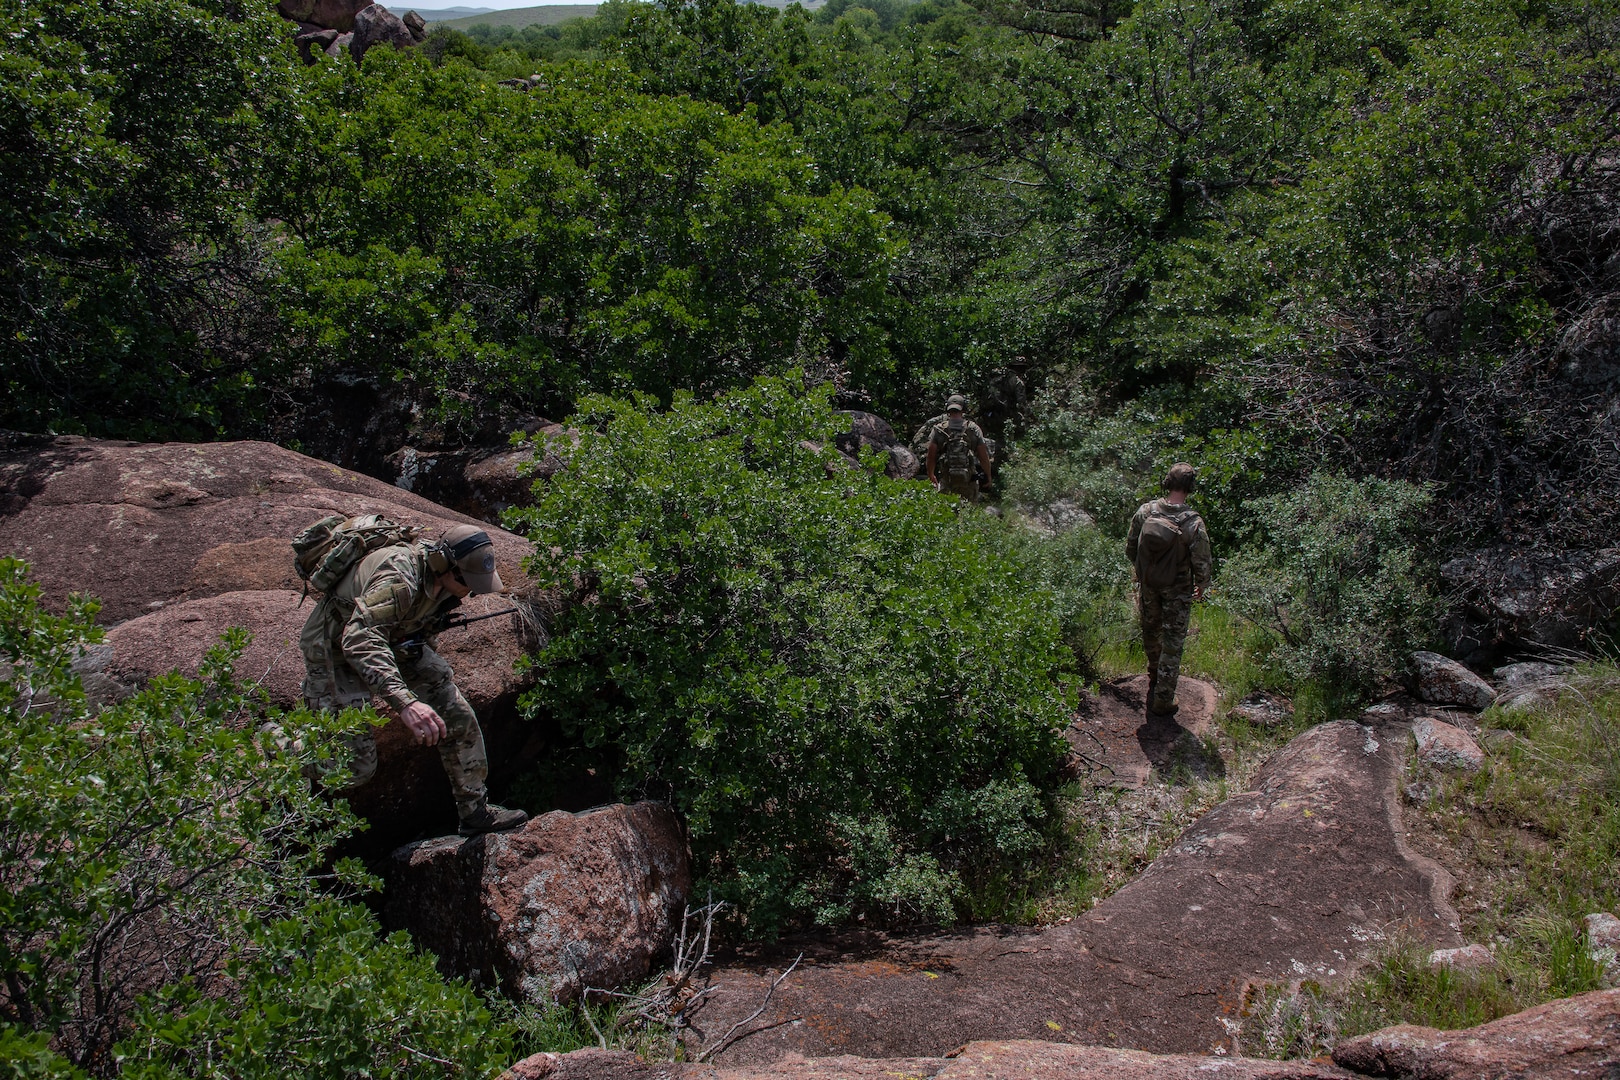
(163, 862)
(320, 995)
(1085, 573)
(27, 1055)
(132, 295)
(136, 837)
(1337, 570)
(1102, 462)
(838, 678)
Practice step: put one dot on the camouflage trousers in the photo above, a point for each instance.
(331, 684)
(1165, 614)
(964, 484)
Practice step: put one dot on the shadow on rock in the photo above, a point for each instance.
(1111, 743)
(1178, 755)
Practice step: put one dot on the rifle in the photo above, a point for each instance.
(411, 648)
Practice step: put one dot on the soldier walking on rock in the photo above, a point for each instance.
(1168, 547)
(373, 633)
(953, 448)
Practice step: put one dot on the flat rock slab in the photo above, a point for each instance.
(1295, 877)
(144, 525)
(1011, 1060)
(1111, 739)
(1574, 1038)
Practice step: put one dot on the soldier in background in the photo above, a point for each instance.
(355, 645)
(954, 448)
(919, 441)
(1168, 547)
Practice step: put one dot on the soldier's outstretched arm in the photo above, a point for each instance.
(367, 649)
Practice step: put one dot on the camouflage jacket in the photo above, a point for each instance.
(1191, 523)
(388, 598)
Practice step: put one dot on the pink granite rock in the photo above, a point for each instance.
(564, 903)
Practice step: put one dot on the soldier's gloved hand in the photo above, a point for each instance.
(425, 724)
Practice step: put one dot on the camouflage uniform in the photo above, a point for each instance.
(349, 654)
(953, 478)
(925, 434)
(1166, 612)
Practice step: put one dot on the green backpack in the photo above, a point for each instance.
(330, 548)
(1162, 550)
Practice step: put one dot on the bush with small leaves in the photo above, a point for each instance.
(163, 880)
(1339, 571)
(843, 681)
(322, 996)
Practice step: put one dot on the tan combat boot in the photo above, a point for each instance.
(491, 818)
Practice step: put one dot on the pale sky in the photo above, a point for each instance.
(493, 5)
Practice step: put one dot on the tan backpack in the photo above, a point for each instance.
(1163, 550)
(330, 548)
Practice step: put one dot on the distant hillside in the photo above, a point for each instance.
(433, 15)
(520, 17)
(548, 14)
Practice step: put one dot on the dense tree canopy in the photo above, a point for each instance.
(1353, 225)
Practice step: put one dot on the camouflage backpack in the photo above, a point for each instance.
(330, 548)
(1163, 550)
(956, 455)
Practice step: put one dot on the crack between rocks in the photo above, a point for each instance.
(1441, 883)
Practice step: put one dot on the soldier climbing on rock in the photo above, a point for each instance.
(954, 448)
(1168, 547)
(373, 632)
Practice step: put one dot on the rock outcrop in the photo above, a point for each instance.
(1517, 600)
(375, 25)
(482, 482)
(180, 541)
(329, 14)
(1298, 877)
(564, 903)
(315, 39)
(1572, 1038)
(1529, 685)
(1442, 681)
(332, 27)
(871, 432)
